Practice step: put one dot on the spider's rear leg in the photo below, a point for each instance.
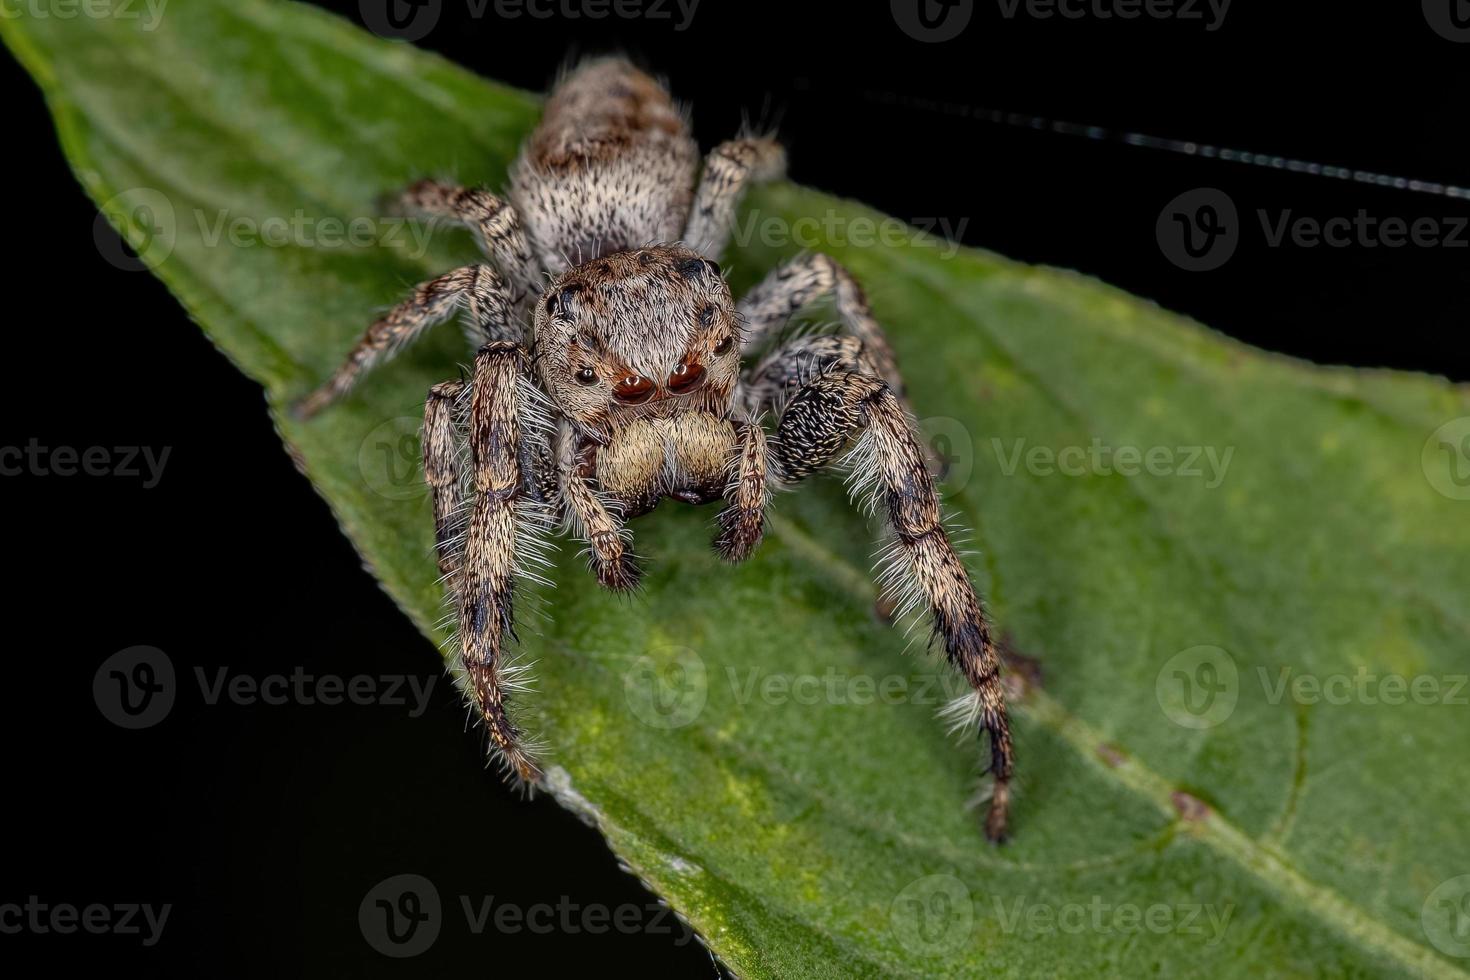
(500, 528)
(729, 170)
(888, 462)
(477, 289)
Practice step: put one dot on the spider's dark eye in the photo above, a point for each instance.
(723, 347)
(686, 377)
(587, 376)
(633, 389)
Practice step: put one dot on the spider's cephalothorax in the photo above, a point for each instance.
(631, 378)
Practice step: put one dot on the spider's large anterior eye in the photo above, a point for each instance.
(633, 389)
(686, 377)
(587, 376)
(723, 347)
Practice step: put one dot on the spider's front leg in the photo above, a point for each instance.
(479, 290)
(888, 462)
(480, 538)
(800, 282)
(495, 222)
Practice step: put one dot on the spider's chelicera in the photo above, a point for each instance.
(625, 381)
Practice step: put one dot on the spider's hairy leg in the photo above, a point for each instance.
(487, 564)
(607, 538)
(730, 168)
(494, 220)
(803, 280)
(743, 520)
(888, 463)
(477, 289)
(443, 411)
(768, 384)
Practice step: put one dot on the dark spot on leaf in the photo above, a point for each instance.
(1189, 807)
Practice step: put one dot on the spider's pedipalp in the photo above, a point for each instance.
(595, 520)
(743, 521)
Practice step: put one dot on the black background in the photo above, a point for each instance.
(265, 826)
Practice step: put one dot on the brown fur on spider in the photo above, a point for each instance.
(625, 381)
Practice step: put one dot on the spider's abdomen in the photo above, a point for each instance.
(611, 167)
(684, 455)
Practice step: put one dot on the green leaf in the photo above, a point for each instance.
(1290, 834)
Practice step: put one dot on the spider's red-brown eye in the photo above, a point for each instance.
(587, 376)
(633, 389)
(686, 377)
(723, 347)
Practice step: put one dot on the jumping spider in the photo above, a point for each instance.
(621, 382)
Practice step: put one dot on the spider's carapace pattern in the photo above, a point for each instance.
(614, 369)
